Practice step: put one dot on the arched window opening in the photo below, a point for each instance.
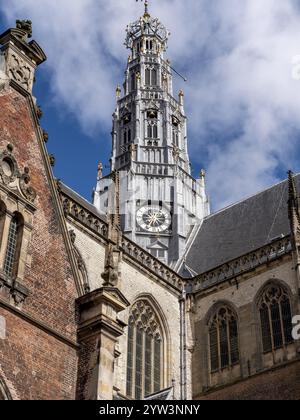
(145, 354)
(148, 77)
(223, 337)
(154, 77)
(126, 136)
(175, 136)
(133, 82)
(275, 318)
(11, 262)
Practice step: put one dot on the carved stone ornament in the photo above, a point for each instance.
(12, 177)
(111, 270)
(26, 26)
(20, 71)
(8, 166)
(26, 189)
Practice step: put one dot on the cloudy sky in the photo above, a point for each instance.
(242, 61)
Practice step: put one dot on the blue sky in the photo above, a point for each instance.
(242, 64)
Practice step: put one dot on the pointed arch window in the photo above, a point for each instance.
(223, 339)
(275, 318)
(14, 240)
(145, 355)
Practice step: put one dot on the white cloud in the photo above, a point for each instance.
(238, 58)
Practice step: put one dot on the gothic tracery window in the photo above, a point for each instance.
(223, 339)
(13, 245)
(144, 353)
(275, 318)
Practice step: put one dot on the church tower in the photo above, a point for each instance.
(160, 201)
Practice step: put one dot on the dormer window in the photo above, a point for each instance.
(127, 136)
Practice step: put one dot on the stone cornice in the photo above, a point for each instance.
(242, 265)
(141, 258)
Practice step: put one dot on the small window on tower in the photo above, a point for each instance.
(147, 77)
(133, 81)
(154, 77)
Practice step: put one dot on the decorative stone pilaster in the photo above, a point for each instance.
(98, 333)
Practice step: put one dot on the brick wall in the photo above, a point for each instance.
(39, 366)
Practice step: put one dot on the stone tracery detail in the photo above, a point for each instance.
(276, 318)
(145, 351)
(12, 177)
(20, 71)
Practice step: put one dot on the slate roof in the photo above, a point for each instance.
(240, 229)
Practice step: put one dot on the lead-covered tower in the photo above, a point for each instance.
(160, 201)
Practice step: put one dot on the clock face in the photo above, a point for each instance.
(154, 219)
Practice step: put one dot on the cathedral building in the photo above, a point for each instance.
(142, 294)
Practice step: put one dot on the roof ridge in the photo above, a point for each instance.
(248, 198)
(76, 193)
